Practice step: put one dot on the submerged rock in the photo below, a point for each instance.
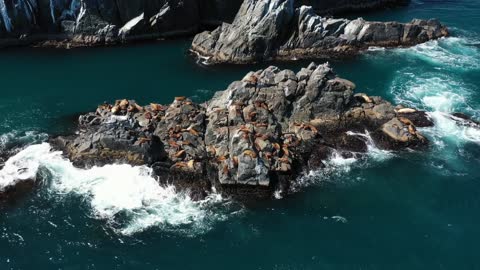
(276, 30)
(257, 136)
(11, 193)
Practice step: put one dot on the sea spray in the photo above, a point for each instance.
(16, 139)
(439, 87)
(128, 198)
(432, 91)
(342, 163)
(440, 93)
(452, 129)
(454, 53)
(373, 151)
(25, 165)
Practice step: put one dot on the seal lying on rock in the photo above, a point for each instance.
(276, 30)
(250, 140)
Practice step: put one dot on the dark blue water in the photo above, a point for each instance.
(389, 211)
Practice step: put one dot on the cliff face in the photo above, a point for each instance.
(19, 17)
(24, 21)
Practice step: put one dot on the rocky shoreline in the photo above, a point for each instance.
(253, 139)
(85, 23)
(276, 30)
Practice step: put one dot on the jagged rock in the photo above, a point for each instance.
(69, 23)
(256, 136)
(276, 30)
(107, 136)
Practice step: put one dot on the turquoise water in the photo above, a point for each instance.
(388, 211)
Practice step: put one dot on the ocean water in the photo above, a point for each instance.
(412, 210)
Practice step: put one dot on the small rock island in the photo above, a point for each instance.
(256, 137)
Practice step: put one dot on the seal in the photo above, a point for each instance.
(405, 110)
(179, 154)
(406, 121)
(115, 109)
(123, 104)
(156, 107)
(180, 98)
(250, 153)
(364, 98)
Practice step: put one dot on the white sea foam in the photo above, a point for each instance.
(24, 165)
(373, 152)
(10, 139)
(127, 197)
(431, 90)
(441, 92)
(451, 52)
(376, 49)
(451, 129)
(335, 168)
(341, 164)
(338, 161)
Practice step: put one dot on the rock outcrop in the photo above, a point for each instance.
(99, 22)
(276, 30)
(255, 137)
(343, 6)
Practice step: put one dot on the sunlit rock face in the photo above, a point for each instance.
(93, 22)
(276, 30)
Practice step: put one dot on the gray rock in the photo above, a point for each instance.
(260, 132)
(83, 22)
(276, 30)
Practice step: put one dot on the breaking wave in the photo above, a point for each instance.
(451, 52)
(433, 91)
(432, 82)
(438, 83)
(339, 166)
(16, 139)
(127, 197)
(441, 93)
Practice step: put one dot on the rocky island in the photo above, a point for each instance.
(254, 138)
(276, 30)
